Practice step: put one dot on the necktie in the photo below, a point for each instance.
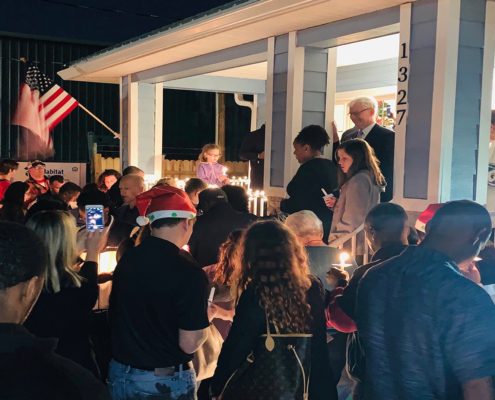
(358, 134)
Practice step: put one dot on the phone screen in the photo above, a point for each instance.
(94, 218)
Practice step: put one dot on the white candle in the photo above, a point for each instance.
(262, 207)
(255, 208)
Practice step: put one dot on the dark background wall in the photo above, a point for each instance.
(71, 135)
(55, 33)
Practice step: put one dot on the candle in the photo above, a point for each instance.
(255, 208)
(262, 206)
(343, 257)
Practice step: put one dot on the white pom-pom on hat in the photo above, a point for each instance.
(142, 221)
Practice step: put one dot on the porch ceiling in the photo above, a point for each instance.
(229, 28)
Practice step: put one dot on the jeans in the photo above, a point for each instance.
(127, 383)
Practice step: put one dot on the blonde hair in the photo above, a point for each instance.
(272, 261)
(208, 147)
(57, 230)
(167, 181)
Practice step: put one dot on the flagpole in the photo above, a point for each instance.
(115, 134)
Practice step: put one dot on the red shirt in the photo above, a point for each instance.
(4, 184)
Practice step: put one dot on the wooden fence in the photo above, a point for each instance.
(179, 169)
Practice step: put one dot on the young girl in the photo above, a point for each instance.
(209, 170)
(360, 183)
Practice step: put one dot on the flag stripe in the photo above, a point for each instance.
(56, 105)
(62, 112)
(47, 97)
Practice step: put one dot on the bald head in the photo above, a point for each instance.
(459, 229)
(306, 225)
(130, 186)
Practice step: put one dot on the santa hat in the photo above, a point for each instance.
(163, 202)
(426, 216)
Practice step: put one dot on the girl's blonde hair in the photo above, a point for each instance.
(208, 147)
(58, 232)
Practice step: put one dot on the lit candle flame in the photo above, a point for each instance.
(344, 257)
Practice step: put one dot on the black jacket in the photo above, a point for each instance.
(66, 316)
(29, 369)
(252, 145)
(211, 230)
(305, 193)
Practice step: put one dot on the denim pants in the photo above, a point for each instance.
(127, 383)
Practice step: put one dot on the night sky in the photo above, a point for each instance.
(103, 22)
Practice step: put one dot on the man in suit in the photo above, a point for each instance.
(253, 150)
(363, 112)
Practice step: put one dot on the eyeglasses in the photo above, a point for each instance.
(356, 113)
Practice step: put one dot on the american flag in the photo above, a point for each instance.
(55, 102)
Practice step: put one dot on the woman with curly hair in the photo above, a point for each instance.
(277, 297)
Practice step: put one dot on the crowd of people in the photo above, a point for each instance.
(208, 301)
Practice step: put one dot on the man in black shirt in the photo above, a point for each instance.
(158, 305)
(29, 368)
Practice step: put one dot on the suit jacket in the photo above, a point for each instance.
(382, 140)
(252, 145)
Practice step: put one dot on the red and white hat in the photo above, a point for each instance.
(426, 216)
(163, 202)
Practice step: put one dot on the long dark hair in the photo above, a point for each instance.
(13, 202)
(226, 259)
(363, 158)
(273, 262)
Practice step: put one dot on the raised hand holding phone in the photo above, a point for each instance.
(329, 199)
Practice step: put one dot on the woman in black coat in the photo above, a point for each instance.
(314, 174)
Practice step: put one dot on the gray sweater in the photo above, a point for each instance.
(357, 196)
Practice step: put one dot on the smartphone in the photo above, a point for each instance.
(94, 218)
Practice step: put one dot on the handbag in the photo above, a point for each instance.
(206, 357)
(278, 368)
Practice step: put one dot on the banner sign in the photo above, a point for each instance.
(73, 172)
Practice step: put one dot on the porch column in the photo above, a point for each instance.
(142, 126)
(296, 96)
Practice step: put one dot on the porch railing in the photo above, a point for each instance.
(353, 239)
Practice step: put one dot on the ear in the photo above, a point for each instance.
(32, 288)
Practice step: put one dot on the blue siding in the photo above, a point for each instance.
(280, 68)
(314, 86)
(467, 105)
(422, 66)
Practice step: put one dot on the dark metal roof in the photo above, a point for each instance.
(102, 22)
(217, 10)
